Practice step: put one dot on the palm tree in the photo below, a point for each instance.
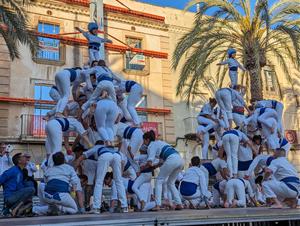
(14, 27)
(262, 34)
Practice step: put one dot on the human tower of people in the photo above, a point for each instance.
(103, 115)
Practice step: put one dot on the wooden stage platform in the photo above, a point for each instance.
(183, 217)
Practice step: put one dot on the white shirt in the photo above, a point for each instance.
(120, 128)
(282, 168)
(5, 163)
(265, 103)
(245, 153)
(253, 118)
(75, 125)
(64, 173)
(195, 175)
(206, 109)
(219, 164)
(31, 168)
(154, 149)
(232, 62)
(93, 152)
(259, 161)
(242, 137)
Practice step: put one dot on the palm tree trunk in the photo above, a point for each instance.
(255, 83)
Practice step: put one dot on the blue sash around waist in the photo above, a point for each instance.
(128, 85)
(73, 74)
(217, 186)
(210, 168)
(127, 165)
(211, 130)
(128, 132)
(166, 151)
(65, 125)
(104, 150)
(94, 45)
(55, 186)
(283, 142)
(289, 180)
(129, 188)
(274, 104)
(188, 188)
(55, 87)
(231, 132)
(269, 160)
(104, 77)
(233, 68)
(244, 165)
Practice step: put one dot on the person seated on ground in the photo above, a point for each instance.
(17, 194)
(281, 183)
(59, 178)
(193, 185)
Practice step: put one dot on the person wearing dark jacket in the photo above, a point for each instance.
(17, 194)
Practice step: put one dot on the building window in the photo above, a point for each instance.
(143, 104)
(134, 61)
(41, 92)
(51, 50)
(270, 80)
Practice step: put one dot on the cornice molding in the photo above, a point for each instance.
(134, 21)
(58, 5)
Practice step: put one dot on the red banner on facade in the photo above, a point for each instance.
(147, 126)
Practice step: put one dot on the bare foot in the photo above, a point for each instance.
(234, 204)
(276, 206)
(226, 205)
(178, 207)
(156, 208)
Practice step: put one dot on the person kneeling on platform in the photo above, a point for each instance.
(56, 194)
(17, 193)
(238, 187)
(193, 187)
(284, 183)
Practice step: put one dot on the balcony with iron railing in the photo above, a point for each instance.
(33, 128)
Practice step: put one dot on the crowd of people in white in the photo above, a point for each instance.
(249, 165)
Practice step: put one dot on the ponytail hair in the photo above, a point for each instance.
(150, 135)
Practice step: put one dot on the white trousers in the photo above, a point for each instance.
(277, 189)
(103, 85)
(105, 116)
(94, 55)
(235, 187)
(135, 95)
(54, 134)
(169, 170)
(224, 100)
(238, 119)
(210, 123)
(136, 141)
(279, 110)
(272, 138)
(143, 178)
(54, 94)
(231, 144)
(130, 173)
(104, 161)
(205, 142)
(63, 84)
(123, 106)
(89, 168)
(233, 78)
